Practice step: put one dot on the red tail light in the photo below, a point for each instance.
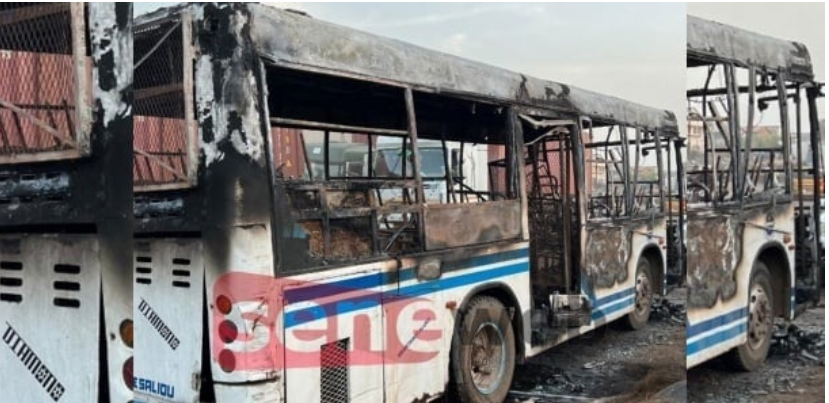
(223, 304)
(227, 360)
(126, 372)
(228, 331)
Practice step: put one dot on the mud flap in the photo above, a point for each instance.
(49, 318)
(169, 286)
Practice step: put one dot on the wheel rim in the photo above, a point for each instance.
(643, 294)
(489, 354)
(759, 317)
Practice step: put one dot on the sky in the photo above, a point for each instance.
(634, 51)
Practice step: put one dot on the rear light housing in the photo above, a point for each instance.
(126, 332)
(223, 304)
(227, 361)
(228, 331)
(127, 373)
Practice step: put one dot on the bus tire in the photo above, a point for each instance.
(751, 355)
(642, 297)
(483, 352)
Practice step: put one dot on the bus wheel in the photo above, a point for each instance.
(751, 355)
(642, 298)
(483, 352)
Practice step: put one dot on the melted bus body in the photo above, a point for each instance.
(260, 280)
(65, 215)
(753, 242)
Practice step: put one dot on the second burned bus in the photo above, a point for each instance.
(753, 241)
(258, 280)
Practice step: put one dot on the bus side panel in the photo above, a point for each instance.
(169, 286)
(333, 335)
(614, 281)
(722, 250)
(410, 379)
(49, 283)
(717, 284)
(239, 266)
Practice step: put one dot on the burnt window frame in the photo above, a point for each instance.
(285, 216)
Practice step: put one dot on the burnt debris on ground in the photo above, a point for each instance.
(610, 364)
(794, 342)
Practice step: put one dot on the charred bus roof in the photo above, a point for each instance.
(293, 40)
(711, 42)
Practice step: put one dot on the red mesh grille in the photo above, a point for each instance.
(38, 87)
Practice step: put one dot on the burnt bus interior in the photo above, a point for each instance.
(629, 174)
(380, 205)
(634, 173)
(754, 168)
(344, 201)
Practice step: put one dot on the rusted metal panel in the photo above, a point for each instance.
(449, 226)
(607, 251)
(301, 42)
(713, 41)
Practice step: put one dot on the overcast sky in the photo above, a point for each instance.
(634, 51)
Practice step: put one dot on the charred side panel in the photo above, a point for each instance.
(452, 226)
(228, 104)
(607, 251)
(714, 249)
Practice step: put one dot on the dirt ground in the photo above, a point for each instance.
(609, 364)
(789, 376)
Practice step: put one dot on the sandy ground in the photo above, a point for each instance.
(787, 377)
(631, 366)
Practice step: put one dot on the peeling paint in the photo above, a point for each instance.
(111, 83)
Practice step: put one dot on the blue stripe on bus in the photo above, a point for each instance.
(714, 339)
(716, 322)
(318, 291)
(617, 306)
(373, 299)
(613, 297)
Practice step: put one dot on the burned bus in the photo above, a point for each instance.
(65, 212)
(257, 278)
(753, 242)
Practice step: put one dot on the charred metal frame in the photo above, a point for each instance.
(774, 66)
(283, 40)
